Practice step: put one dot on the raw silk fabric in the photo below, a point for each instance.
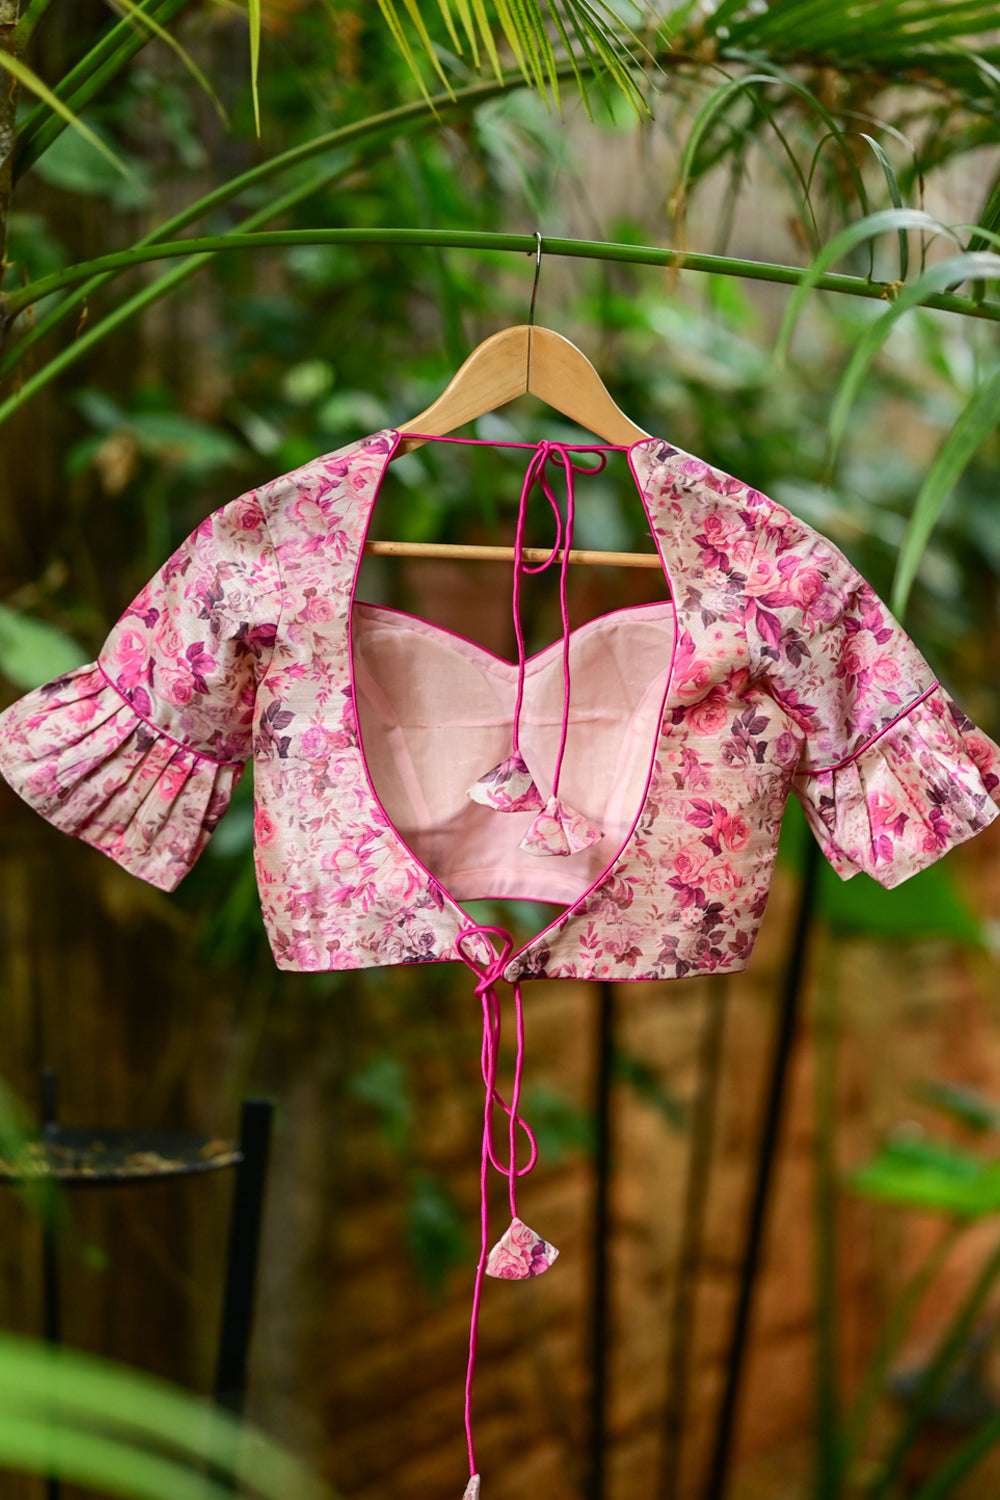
(773, 668)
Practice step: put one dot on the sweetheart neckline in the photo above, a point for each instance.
(515, 967)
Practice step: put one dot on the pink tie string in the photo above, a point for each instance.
(472, 940)
(488, 975)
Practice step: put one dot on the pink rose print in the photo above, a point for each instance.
(764, 577)
(264, 826)
(722, 878)
(709, 716)
(688, 862)
(733, 831)
(520, 1253)
(176, 687)
(83, 711)
(248, 514)
(509, 787)
(559, 830)
(130, 656)
(319, 609)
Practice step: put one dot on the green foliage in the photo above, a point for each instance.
(85, 1421)
(591, 30)
(436, 1233)
(562, 1128)
(33, 651)
(923, 1173)
(968, 1106)
(74, 163)
(382, 1084)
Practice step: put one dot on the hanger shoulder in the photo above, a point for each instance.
(494, 373)
(520, 360)
(562, 376)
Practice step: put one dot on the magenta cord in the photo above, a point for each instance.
(535, 473)
(488, 975)
(486, 980)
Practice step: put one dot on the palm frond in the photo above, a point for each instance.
(29, 79)
(253, 11)
(888, 220)
(949, 41)
(947, 273)
(975, 423)
(93, 1423)
(589, 34)
(104, 61)
(143, 18)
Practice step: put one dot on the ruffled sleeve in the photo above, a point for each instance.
(891, 773)
(138, 753)
(926, 783)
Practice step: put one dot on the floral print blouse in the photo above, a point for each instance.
(773, 668)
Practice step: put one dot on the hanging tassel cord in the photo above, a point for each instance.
(537, 473)
(488, 975)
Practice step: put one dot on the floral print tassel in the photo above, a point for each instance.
(472, 1489)
(519, 1254)
(509, 787)
(559, 830)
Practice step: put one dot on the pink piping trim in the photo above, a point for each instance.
(188, 749)
(825, 770)
(574, 906)
(456, 907)
(390, 826)
(433, 437)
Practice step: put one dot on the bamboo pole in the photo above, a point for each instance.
(522, 244)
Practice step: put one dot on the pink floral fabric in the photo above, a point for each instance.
(509, 787)
(520, 1253)
(787, 674)
(559, 830)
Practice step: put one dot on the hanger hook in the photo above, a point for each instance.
(534, 295)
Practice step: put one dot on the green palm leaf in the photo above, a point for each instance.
(125, 1433)
(590, 34)
(142, 18)
(945, 273)
(974, 424)
(253, 10)
(30, 80)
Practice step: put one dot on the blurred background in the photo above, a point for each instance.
(754, 132)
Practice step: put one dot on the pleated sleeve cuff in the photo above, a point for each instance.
(78, 752)
(929, 781)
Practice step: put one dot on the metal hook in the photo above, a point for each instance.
(534, 295)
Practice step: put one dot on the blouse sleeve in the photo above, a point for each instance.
(138, 753)
(891, 772)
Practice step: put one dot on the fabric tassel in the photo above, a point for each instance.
(509, 787)
(559, 830)
(519, 1254)
(472, 1489)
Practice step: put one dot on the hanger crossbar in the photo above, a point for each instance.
(475, 553)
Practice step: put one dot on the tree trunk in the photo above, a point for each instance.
(8, 106)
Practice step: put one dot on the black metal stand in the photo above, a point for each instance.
(244, 1246)
(96, 1158)
(774, 1107)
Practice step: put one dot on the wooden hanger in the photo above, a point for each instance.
(526, 361)
(520, 361)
